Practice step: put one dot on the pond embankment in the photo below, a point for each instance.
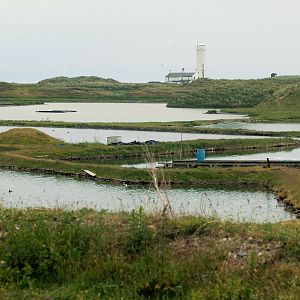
(30, 150)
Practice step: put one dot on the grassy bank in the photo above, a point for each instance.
(53, 254)
(35, 144)
(29, 149)
(179, 126)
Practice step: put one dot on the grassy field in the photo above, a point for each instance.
(265, 99)
(54, 254)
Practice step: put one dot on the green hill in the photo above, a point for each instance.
(77, 80)
(235, 93)
(281, 93)
(26, 136)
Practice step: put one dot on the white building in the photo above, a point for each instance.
(182, 77)
(179, 77)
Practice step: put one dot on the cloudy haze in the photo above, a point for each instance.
(142, 40)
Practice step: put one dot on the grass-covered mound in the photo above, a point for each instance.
(198, 94)
(80, 80)
(235, 93)
(53, 254)
(26, 136)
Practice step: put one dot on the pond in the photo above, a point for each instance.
(273, 127)
(109, 112)
(24, 190)
(75, 135)
(290, 154)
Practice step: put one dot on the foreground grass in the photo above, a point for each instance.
(54, 254)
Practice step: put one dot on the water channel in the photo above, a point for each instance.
(26, 190)
(109, 112)
(272, 127)
(290, 154)
(75, 135)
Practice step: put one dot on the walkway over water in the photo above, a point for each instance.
(231, 163)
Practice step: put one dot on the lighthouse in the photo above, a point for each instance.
(185, 77)
(200, 66)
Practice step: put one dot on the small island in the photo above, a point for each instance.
(56, 111)
(213, 112)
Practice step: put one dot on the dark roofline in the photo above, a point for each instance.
(187, 74)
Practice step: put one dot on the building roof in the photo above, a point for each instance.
(180, 74)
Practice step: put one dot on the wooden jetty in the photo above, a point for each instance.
(89, 173)
(193, 163)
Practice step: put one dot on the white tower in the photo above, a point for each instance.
(200, 67)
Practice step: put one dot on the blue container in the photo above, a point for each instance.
(200, 155)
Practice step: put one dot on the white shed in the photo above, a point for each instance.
(113, 139)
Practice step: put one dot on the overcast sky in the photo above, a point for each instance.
(142, 40)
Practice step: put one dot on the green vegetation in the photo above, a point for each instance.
(49, 155)
(54, 254)
(32, 143)
(26, 137)
(265, 99)
(178, 126)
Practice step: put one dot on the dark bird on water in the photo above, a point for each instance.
(10, 191)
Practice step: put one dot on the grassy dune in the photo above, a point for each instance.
(267, 99)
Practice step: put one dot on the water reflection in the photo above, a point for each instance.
(110, 112)
(28, 190)
(273, 127)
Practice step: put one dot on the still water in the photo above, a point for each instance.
(274, 127)
(28, 190)
(75, 135)
(291, 154)
(109, 112)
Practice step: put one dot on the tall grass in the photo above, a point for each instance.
(55, 254)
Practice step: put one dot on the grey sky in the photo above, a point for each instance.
(141, 40)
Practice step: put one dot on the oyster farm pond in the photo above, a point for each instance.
(25, 190)
(109, 112)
